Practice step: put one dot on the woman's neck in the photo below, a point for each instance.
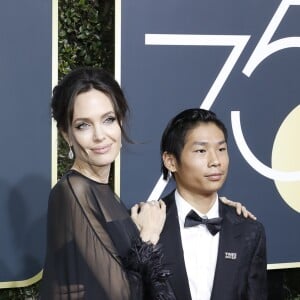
(99, 174)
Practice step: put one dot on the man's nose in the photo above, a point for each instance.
(214, 160)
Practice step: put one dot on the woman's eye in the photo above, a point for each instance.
(82, 126)
(110, 120)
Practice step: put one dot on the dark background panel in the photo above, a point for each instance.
(160, 81)
(25, 130)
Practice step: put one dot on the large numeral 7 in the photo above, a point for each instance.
(237, 41)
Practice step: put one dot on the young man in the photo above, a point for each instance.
(213, 253)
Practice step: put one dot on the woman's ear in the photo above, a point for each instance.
(169, 162)
(66, 137)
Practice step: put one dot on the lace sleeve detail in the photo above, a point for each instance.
(146, 260)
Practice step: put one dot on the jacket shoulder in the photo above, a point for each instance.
(231, 214)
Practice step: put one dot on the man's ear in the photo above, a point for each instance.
(170, 162)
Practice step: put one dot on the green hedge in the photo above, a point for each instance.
(85, 38)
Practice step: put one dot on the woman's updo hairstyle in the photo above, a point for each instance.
(82, 80)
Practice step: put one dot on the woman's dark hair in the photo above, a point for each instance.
(173, 138)
(82, 80)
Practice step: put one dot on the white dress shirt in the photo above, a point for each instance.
(200, 250)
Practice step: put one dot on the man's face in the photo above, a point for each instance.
(204, 161)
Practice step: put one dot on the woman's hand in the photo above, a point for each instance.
(149, 218)
(240, 209)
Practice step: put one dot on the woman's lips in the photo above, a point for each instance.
(102, 149)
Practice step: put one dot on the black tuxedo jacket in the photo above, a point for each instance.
(241, 263)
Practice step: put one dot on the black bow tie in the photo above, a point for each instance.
(193, 219)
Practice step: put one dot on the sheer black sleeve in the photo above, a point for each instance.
(81, 261)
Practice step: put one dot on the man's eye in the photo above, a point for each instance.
(200, 150)
(222, 149)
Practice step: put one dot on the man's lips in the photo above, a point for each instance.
(214, 176)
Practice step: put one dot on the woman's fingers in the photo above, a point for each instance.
(240, 209)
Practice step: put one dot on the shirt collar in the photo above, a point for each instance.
(183, 208)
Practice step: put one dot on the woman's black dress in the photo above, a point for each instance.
(93, 247)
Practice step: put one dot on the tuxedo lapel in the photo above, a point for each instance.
(173, 252)
(229, 254)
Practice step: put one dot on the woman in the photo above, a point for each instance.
(94, 249)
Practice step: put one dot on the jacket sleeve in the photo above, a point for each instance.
(257, 279)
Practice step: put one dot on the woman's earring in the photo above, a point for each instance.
(70, 154)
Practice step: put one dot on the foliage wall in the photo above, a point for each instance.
(85, 38)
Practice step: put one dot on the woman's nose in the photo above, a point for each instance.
(99, 133)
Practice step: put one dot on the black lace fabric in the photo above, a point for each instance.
(93, 247)
(146, 260)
